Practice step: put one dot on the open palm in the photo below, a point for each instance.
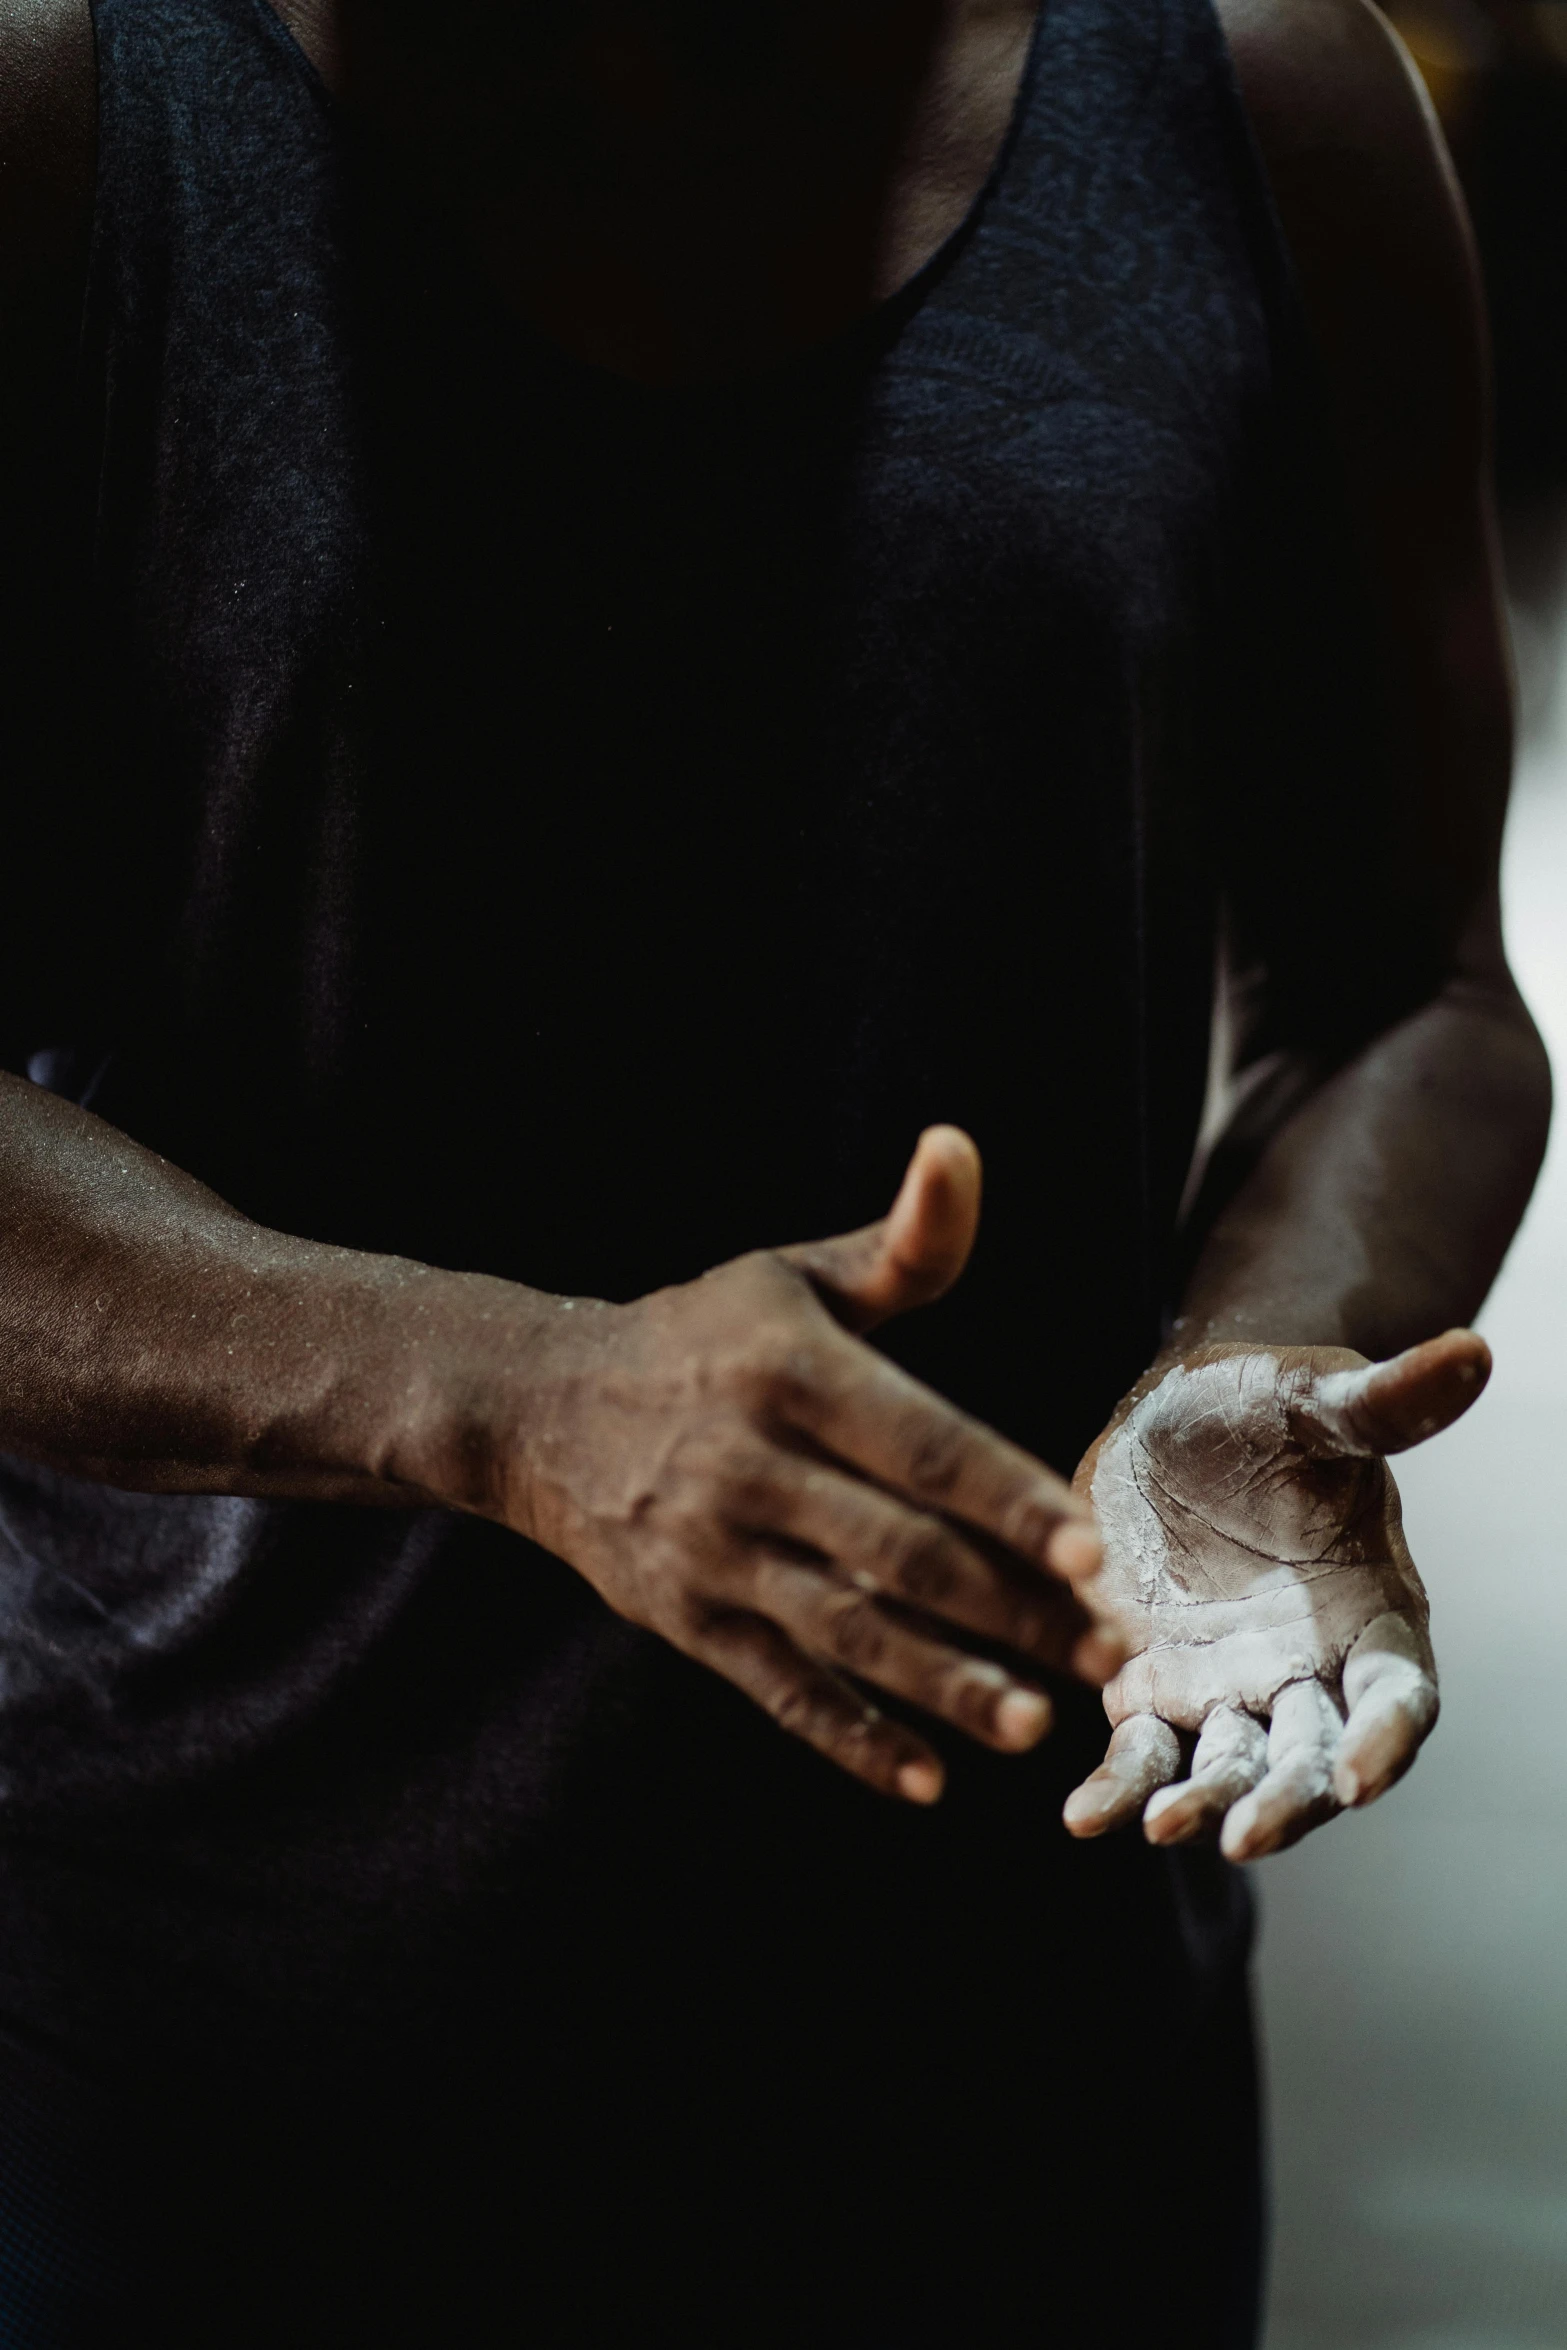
(1256, 1567)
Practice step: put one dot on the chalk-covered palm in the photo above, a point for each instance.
(1256, 1567)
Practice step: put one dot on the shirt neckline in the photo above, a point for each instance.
(872, 331)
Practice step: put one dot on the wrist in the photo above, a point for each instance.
(456, 1383)
(1187, 1348)
(474, 1393)
(1259, 1313)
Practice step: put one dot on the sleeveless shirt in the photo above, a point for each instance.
(681, 797)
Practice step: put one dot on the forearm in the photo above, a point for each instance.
(153, 1337)
(1380, 1213)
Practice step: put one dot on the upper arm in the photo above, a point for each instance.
(47, 143)
(48, 137)
(47, 156)
(1381, 242)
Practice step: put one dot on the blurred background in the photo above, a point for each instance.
(1414, 1960)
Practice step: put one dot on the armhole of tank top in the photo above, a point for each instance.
(270, 28)
(1023, 103)
(911, 292)
(287, 41)
(1267, 242)
(883, 322)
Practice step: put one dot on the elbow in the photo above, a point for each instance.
(1510, 1069)
(1533, 1084)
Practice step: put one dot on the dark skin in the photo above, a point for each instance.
(729, 1463)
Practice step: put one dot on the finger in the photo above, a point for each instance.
(914, 1254)
(1387, 1407)
(865, 1410)
(1231, 1758)
(1390, 1690)
(816, 1706)
(1144, 1753)
(833, 1620)
(1297, 1792)
(909, 1555)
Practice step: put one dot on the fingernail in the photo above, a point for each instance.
(1235, 1837)
(1074, 1549)
(1022, 1718)
(1163, 1822)
(1083, 1815)
(1348, 1786)
(920, 1782)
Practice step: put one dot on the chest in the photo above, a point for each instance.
(414, 608)
(679, 194)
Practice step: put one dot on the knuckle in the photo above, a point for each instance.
(679, 1507)
(881, 1548)
(685, 1616)
(935, 1451)
(862, 1742)
(924, 1565)
(794, 1707)
(789, 1369)
(659, 1510)
(970, 1696)
(857, 1631)
(738, 1472)
(856, 1737)
(1028, 1523)
(1033, 1628)
(801, 1705)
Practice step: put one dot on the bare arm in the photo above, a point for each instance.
(1255, 1559)
(727, 1463)
(1379, 1213)
(47, 140)
(153, 1337)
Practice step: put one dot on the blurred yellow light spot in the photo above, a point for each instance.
(1452, 44)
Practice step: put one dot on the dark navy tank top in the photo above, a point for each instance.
(689, 795)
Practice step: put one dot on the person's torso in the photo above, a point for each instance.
(532, 822)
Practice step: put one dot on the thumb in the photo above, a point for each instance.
(914, 1254)
(1387, 1407)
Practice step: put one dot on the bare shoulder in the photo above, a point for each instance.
(47, 138)
(1328, 73)
(1373, 214)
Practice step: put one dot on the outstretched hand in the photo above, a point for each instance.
(730, 1465)
(1256, 1566)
